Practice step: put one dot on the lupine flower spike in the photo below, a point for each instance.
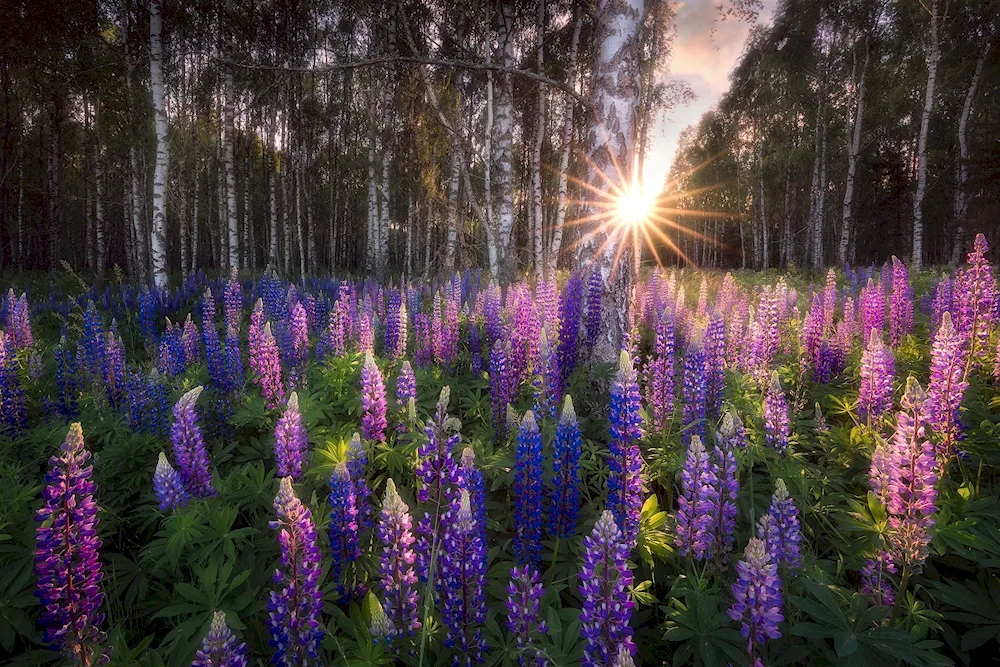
(697, 512)
(168, 486)
(757, 597)
(784, 540)
(604, 586)
(396, 570)
(343, 528)
(776, 416)
(528, 492)
(373, 421)
(291, 443)
(462, 583)
(294, 608)
(220, 648)
(189, 447)
(524, 593)
(625, 487)
(564, 500)
(67, 560)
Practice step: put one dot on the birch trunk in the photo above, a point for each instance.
(99, 205)
(853, 149)
(89, 255)
(536, 155)
(960, 206)
(932, 56)
(300, 236)
(275, 175)
(195, 227)
(135, 210)
(491, 241)
(567, 144)
(815, 193)
(611, 142)
(449, 247)
(20, 214)
(372, 235)
(230, 138)
(158, 232)
(504, 148)
(409, 234)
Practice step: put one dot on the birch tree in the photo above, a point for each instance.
(158, 235)
(932, 56)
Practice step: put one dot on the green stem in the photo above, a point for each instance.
(555, 557)
(903, 583)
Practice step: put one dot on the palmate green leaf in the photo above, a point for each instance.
(16, 599)
(706, 634)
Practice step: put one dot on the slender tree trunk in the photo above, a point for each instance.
(135, 209)
(452, 234)
(20, 214)
(89, 254)
(504, 147)
(158, 238)
(491, 236)
(567, 144)
(99, 200)
(536, 154)
(195, 227)
(611, 142)
(274, 177)
(853, 150)
(409, 234)
(816, 192)
(372, 235)
(248, 249)
(960, 206)
(932, 57)
(230, 138)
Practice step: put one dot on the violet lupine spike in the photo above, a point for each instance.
(168, 486)
(357, 459)
(294, 609)
(547, 380)
(877, 372)
(776, 428)
(595, 286)
(564, 495)
(232, 303)
(698, 503)
(527, 493)
(912, 479)
(715, 362)
(373, 402)
(946, 388)
(660, 374)
(524, 593)
(570, 314)
(255, 336)
(291, 442)
(604, 586)
(876, 584)
(299, 328)
(900, 304)
(726, 472)
(343, 527)
(941, 303)
(625, 486)
(19, 321)
(462, 583)
(872, 305)
(829, 299)
(268, 360)
(220, 647)
(784, 546)
(757, 597)
(694, 392)
(975, 303)
(192, 458)
(398, 580)
(472, 480)
(501, 388)
(406, 385)
(67, 558)
(732, 432)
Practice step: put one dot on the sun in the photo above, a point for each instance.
(634, 206)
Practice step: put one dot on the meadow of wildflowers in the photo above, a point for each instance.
(775, 471)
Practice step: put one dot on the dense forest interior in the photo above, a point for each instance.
(417, 136)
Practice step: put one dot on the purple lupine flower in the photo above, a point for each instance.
(232, 302)
(402, 332)
(764, 344)
(462, 583)
(299, 329)
(941, 303)
(189, 341)
(726, 472)
(694, 392)
(702, 308)
(450, 333)
(192, 459)
(114, 366)
(67, 558)
(776, 428)
(715, 362)
(604, 586)
(570, 311)
(698, 504)
(564, 495)
(343, 529)
(357, 460)
(398, 580)
(423, 353)
(336, 329)
(524, 593)
(220, 648)
(233, 377)
(474, 342)
(975, 297)
(294, 609)
(547, 382)
(406, 385)
(291, 442)
(625, 486)
(912, 476)
(757, 597)
(373, 421)
(872, 306)
(947, 388)
(168, 486)
(19, 321)
(829, 299)
(900, 304)
(366, 330)
(268, 360)
(786, 535)
(875, 581)
(255, 337)
(732, 432)
(877, 371)
(502, 388)
(660, 374)
(527, 493)
(812, 329)
(595, 286)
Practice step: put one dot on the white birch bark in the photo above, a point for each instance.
(99, 207)
(504, 147)
(960, 206)
(135, 211)
(195, 227)
(611, 142)
(272, 187)
(555, 246)
(816, 193)
(158, 232)
(932, 57)
(853, 150)
(299, 218)
(491, 243)
(372, 235)
(230, 167)
(536, 154)
(452, 232)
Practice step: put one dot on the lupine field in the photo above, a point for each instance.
(777, 471)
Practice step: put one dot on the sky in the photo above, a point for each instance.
(705, 51)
